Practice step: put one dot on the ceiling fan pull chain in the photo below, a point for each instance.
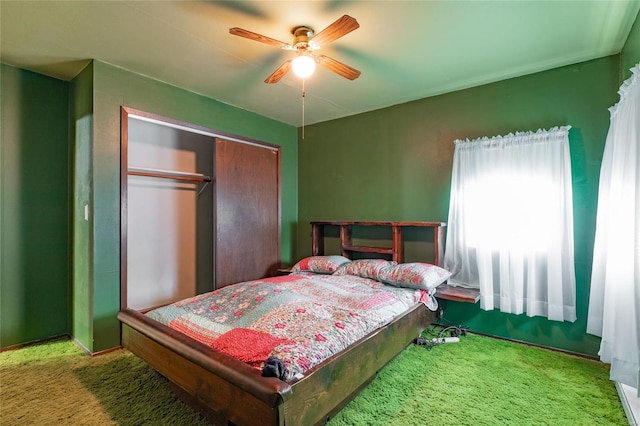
(304, 94)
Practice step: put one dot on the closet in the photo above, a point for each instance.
(200, 210)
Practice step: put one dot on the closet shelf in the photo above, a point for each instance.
(168, 174)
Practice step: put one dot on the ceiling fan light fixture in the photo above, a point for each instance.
(305, 42)
(303, 66)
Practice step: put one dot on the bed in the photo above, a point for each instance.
(185, 343)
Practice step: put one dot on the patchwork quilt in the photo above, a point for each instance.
(302, 318)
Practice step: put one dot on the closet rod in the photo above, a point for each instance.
(168, 174)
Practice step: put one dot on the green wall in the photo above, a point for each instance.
(34, 207)
(395, 164)
(81, 137)
(631, 51)
(114, 87)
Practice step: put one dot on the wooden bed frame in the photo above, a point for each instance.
(228, 391)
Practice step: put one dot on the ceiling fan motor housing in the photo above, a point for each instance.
(301, 37)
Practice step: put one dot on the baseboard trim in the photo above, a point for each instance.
(59, 337)
(522, 342)
(64, 336)
(94, 354)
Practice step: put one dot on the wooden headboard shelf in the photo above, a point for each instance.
(396, 251)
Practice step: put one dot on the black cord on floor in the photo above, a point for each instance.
(435, 334)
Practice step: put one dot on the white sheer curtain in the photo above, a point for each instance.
(614, 305)
(510, 226)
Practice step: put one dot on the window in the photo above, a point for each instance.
(511, 223)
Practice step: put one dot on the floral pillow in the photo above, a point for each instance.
(415, 275)
(320, 264)
(365, 268)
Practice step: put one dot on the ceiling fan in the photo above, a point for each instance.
(305, 42)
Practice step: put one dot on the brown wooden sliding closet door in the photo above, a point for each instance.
(247, 211)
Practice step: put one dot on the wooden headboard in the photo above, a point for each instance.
(396, 251)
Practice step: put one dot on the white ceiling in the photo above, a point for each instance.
(406, 50)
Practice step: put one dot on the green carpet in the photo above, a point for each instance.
(485, 381)
(479, 381)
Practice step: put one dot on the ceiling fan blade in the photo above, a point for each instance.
(259, 37)
(340, 27)
(277, 75)
(338, 67)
